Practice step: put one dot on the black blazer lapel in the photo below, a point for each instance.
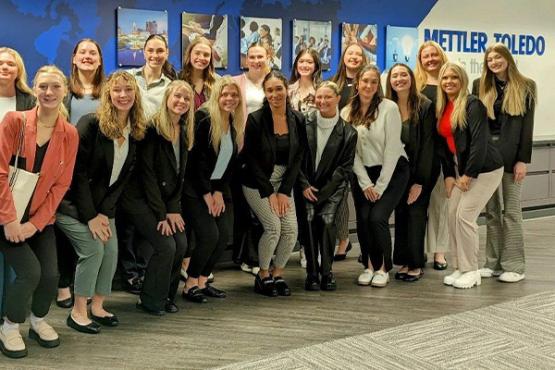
(311, 136)
(292, 128)
(108, 149)
(168, 151)
(331, 149)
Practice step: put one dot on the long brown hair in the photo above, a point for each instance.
(167, 68)
(420, 73)
(75, 85)
(356, 117)
(208, 74)
(340, 77)
(21, 78)
(414, 100)
(107, 113)
(520, 92)
(316, 75)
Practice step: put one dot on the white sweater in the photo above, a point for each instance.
(379, 145)
(324, 128)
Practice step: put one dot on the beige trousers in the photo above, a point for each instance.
(437, 228)
(464, 209)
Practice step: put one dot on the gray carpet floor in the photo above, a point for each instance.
(519, 334)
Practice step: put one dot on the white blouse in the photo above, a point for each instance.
(378, 145)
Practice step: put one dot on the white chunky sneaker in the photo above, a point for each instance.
(12, 344)
(255, 270)
(366, 277)
(183, 274)
(450, 279)
(380, 279)
(468, 280)
(302, 258)
(44, 334)
(511, 277)
(246, 268)
(487, 272)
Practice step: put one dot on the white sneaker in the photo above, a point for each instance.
(255, 270)
(366, 277)
(487, 272)
(246, 268)
(12, 344)
(511, 277)
(210, 278)
(183, 274)
(44, 334)
(302, 257)
(380, 279)
(450, 279)
(468, 280)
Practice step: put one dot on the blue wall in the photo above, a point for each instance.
(45, 31)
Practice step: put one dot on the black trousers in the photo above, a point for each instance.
(410, 230)
(212, 234)
(36, 274)
(373, 217)
(133, 250)
(321, 235)
(246, 228)
(162, 271)
(67, 259)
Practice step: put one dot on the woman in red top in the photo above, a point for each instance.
(29, 245)
(472, 167)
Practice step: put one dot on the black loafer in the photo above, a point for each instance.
(328, 282)
(281, 286)
(92, 328)
(65, 303)
(343, 256)
(171, 307)
(400, 275)
(412, 278)
(440, 265)
(311, 284)
(210, 291)
(106, 320)
(265, 286)
(148, 310)
(194, 295)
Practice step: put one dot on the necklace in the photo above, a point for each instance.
(41, 124)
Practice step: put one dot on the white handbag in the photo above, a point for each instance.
(22, 183)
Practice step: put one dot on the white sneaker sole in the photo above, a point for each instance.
(466, 286)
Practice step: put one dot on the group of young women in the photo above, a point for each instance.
(188, 163)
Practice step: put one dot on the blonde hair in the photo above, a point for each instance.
(162, 121)
(107, 113)
(21, 79)
(458, 117)
(420, 73)
(52, 69)
(212, 106)
(340, 78)
(520, 91)
(208, 74)
(330, 85)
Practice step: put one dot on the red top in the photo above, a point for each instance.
(445, 127)
(56, 171)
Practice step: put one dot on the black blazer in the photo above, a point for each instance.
(476, 153)
(335, 169)
(259, 151)
(23, 101)
(421, 141)
(90, 192)
(515, 139)
(156, 184)
(203, 158)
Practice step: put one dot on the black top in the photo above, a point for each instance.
(335, 168)
(516, 132)
(405, 133)
(90, 190)
(346, 92)
(430, 91)
(203, 158)
(259, 151)
(495, 124)
(157, 181)
(476, 153)
(282, 149)
(39, 156)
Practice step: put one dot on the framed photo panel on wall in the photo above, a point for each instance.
(401, 46)
(365, 35)
(312, 35)
(134, 27)
(265, 32)
(211, 26)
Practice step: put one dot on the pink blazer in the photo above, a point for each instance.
(56, 172)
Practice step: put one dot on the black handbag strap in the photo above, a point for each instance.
(20, 140)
